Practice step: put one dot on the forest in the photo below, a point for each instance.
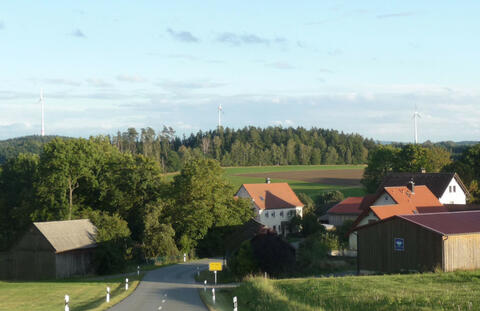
(243, 147)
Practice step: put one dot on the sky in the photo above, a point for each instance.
(353, 66)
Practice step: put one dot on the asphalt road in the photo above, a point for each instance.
(167, 289)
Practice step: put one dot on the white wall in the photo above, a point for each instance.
(277, 220)
(352, 238)
(453, 194)
(384, 199)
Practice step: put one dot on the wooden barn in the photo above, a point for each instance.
(49, 250)
(421, 242)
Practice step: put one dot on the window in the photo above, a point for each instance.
(273, 214)
(386, 198)
(281, 214)
(274, 227)
(266, 214)
(449, 188)
(454, 188)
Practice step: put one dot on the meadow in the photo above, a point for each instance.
(240, 175)
(85, 294)
(429, 291)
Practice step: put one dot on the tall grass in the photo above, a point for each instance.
(431, 291)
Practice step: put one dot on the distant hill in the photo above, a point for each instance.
(10, 148)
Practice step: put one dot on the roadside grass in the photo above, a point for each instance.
(223, 299)
(428, 291)
(85, 294)
(223, 277)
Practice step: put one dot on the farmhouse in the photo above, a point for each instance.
(446, 241)
(447, 187)
(274, 204)
(348, 209)
(393, 201)
(48, 250)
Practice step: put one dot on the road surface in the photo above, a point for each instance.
(167, 289)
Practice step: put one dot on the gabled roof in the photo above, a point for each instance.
(443, 223)
(68, 234)
(351, 206)
(408, 203)
(436, 182)
(245, 232)
(272, 196)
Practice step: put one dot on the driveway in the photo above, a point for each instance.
(167, 289)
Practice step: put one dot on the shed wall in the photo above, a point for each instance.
(422, 248)
(75, 262)
(339, 219)
(462, 252)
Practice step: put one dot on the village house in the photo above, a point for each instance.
(391, 201)
(49, 250)
(447, 187)
(274, 204)
(421, 242)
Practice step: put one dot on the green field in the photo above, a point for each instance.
(429, 291)
(312, 189)
(85, 294)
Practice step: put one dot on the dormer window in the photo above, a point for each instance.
(261, 198)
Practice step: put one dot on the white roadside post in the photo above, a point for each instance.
(215, 272)
(235, 304)
(184, 257)
(213, 295)
(126, 284)
(108, 294)
(67, 300)
(205, 285)
(138, 270)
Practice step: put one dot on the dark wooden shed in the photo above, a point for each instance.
(423, 242)
(49, 250)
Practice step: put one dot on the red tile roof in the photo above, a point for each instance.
(351, 205)
(273, 196)
(448, 223)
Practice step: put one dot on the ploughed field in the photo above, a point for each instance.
(310, 179)
(338, 177)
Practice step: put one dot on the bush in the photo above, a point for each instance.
(327, 200)
(315, 249)
(342, 232)
(310, 225)
(243, 262)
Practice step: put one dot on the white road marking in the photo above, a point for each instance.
(160, 308)
(163, 300)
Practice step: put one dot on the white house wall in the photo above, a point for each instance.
(276, 221)
(384, 199)
(453, 197)
(352, 238)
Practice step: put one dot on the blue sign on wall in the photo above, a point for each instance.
(399, 244)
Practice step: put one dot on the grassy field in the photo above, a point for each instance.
(429, 291)
(312, 189)
(224, 276)
(85, 294)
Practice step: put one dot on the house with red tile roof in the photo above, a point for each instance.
(392, 201)
(348, 209)
(274, 204)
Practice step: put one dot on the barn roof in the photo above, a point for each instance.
(68, 234)
(436, 182)
(272, 196)
(448, 223)
(351, 205)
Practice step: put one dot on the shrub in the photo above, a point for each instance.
(243, 262)
(274, 255)
(313, 251)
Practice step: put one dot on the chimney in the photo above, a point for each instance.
(267, 181)
(423, 170)
(411, 186)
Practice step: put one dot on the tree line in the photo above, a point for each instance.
(138, 212)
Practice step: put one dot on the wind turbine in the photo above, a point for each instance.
(42, 103)
(220, 111)
(416, 115)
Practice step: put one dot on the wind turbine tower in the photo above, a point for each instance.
(42, 103)
(416, 116)
(220, 110)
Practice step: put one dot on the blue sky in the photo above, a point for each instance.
(354, 66)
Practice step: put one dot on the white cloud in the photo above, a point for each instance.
(131, 78)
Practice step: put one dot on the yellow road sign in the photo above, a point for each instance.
(215, 266)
